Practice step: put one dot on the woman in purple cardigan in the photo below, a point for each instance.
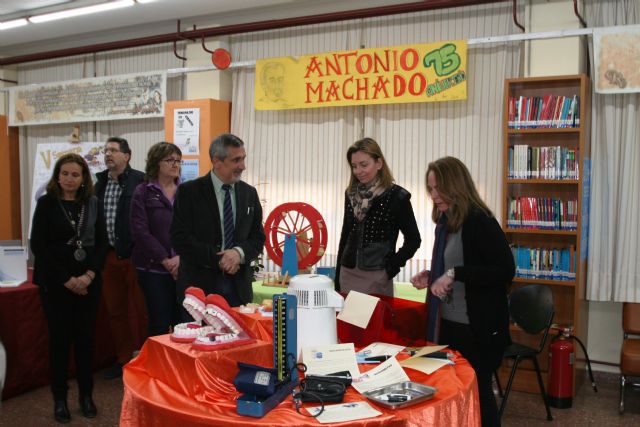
(155, 260)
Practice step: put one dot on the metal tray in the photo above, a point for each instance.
(415, 392)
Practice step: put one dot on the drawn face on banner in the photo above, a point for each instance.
(273, 81)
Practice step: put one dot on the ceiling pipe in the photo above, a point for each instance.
(246, 28)
(515, 18)
(575, 12)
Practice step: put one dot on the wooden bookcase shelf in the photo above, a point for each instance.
(569, 295)
(540, 231)
(544, 181)
(544, 282)
(542, 131)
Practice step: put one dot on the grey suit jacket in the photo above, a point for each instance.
(196, 236)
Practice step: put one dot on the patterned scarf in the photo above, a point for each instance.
(361, 196)
(437, 270)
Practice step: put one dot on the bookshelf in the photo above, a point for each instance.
(545, 191)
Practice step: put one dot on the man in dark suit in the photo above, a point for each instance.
(217, 227)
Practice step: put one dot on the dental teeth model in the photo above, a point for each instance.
(194, 303)
(229, 329)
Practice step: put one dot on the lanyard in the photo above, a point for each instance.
(79, 254)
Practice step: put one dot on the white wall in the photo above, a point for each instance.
(552, 57)
(558, 57)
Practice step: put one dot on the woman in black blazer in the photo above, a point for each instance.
(69, 241)
(471, 270)
(376, 211)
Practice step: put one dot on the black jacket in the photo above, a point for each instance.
(487, 273)
(196, 235)
(128, 180)
(370, 244)
(54, 262)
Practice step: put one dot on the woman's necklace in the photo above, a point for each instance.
(79, 254)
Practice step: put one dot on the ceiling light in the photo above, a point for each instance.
(12, 24)
(144, 1)
(81, 11)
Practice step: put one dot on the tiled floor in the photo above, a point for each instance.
(523, 410)
(589, 408)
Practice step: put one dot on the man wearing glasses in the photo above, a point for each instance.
(114, 190)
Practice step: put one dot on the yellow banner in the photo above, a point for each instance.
(411, 73)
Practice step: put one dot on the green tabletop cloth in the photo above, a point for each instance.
(401, 290)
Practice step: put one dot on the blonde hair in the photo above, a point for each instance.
(370, 147)
(455, 186)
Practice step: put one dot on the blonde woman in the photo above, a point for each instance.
(376, 211)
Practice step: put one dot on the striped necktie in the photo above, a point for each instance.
(229, 229)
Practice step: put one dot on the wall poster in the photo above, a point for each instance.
(132, 96)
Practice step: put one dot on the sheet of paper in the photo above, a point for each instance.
(381, 349)
(428, 349)
(387, 373)
(344, 412)
(425, 364)
(358, 308)
(10, 283)
(13, 266)
(190, 169)
(186, 130)
(327, 359)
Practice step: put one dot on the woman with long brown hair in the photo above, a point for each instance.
(471, 270)
(69, 241)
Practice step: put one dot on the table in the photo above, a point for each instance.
(171, 384)
(23, 331)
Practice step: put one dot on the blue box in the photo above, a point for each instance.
(327, 271)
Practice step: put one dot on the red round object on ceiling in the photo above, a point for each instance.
(221, 58)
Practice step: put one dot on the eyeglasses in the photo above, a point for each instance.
(112, 150)
(173, 162)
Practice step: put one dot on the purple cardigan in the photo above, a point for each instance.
(151, 214)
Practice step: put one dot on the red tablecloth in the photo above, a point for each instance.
(171, 384)
(23, 331)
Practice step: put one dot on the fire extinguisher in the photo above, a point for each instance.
(562, 358)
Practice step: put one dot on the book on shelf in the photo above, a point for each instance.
(545, 263)
(548, 111)
(532, 162)
(542, 213)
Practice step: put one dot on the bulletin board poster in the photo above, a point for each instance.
(132, 96)
(186, 130)
(48, 154)
(617, 59)
(429, 72)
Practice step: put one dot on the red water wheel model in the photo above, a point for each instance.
(306, 223)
